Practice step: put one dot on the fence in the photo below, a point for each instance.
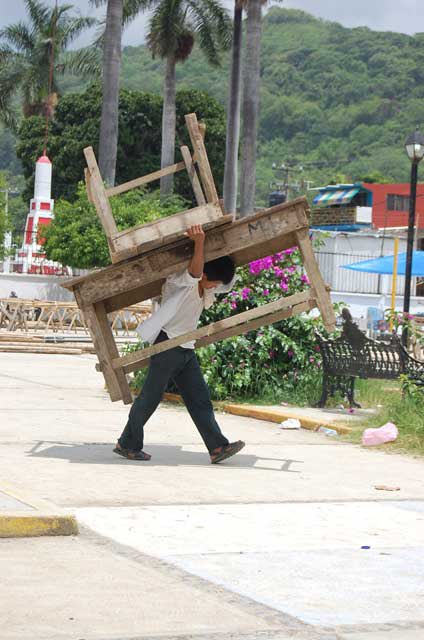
(354, 281)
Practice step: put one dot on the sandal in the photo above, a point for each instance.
(227, 451)
(140, 456)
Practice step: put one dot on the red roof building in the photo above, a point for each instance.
(390, 205)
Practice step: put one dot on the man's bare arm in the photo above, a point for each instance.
(196, 265)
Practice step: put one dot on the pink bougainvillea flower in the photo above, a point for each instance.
(284, 286)
(234, 294)
(265, 292)
(304, 278)
(278, 272)
(290, 353)
(267, 262)
(234, 305)
(311, 359)
(245, 293)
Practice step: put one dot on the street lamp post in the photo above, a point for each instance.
(414, 146)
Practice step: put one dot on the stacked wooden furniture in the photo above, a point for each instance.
(146, 255)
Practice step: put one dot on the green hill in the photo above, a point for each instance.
(338, 101)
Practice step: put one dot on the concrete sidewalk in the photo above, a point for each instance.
(289, 539)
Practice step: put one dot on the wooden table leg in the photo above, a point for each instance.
(314, 274)
(106, 349)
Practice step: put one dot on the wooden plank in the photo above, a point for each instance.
(140, 237)
(215, 328)
(311, 267)
(194, 179)
(245, 240)
(202, 158)
(251, 325)
(150, 177)
(99, 195)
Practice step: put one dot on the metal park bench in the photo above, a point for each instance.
(353, 355)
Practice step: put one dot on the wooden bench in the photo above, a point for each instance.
(353, 356)
(141, 277)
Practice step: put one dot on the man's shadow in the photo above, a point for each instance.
(163, 455)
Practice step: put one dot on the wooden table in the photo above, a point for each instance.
(141, 277)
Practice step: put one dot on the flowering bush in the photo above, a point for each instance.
(281, 361)
(274, 363)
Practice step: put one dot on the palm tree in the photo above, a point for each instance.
(26, 54)
(108, 144)
(251, 78)
(233, 114)
(175, 26)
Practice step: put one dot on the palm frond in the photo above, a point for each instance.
(18, 36)
(38, 12)
(220, 20)
(74, 27)
(132, 8)
(208, 18)
(86, 62)
(167, 24)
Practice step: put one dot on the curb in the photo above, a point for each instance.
(271, 415)
(274, 415)
(41, 518)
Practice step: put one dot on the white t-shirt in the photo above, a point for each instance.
(190, 305)
(180, 308)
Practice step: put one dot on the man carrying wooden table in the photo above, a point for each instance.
(184, 296)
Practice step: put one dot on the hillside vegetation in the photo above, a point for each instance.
(338, 101)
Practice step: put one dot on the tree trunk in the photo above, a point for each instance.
(250, 106)
(233, 116)
(111, 71)
(168, 126)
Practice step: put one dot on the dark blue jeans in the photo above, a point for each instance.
(181, 366)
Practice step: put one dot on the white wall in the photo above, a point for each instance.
(34, 287)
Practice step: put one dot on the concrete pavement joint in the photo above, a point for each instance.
(270, 615)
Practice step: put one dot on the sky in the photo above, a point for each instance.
(406, 16)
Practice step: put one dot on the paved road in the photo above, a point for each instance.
(268, 545)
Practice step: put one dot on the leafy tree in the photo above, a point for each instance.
(27, 52)
(76, 125)
(75, 237)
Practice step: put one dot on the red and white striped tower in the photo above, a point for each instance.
(40, 215)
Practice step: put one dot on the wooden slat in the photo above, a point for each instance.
(191, 170)
(150, 177)
(251, 325)
(202, 158)
(311, 267)
(99, 195)
(212, 329)
(159, 232)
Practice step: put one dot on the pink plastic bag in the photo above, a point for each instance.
(386, 433)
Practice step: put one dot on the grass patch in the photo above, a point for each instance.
(405, 411)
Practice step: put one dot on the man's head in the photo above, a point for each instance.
(216, 272)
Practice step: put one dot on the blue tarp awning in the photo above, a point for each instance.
(385, 264)
(339, 196)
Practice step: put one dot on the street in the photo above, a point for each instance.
(289, 539)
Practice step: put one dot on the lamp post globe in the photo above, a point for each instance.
(414, 146)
